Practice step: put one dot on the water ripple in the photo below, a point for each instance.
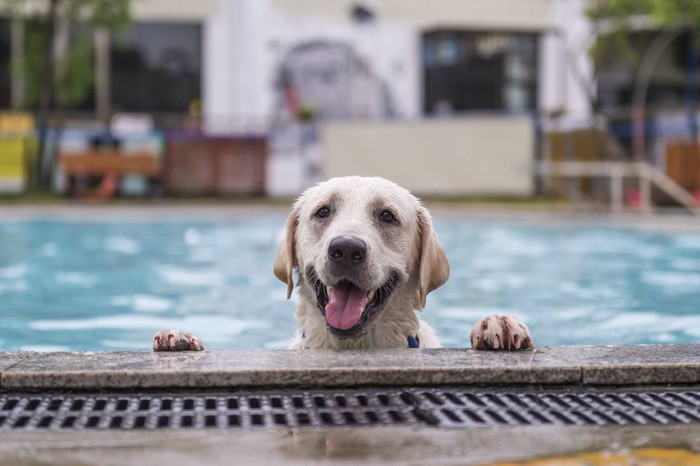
(111, 285)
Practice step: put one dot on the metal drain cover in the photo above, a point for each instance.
(445, 407)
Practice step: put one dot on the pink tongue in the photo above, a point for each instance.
(345, 305)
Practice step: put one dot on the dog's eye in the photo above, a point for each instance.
(323, 212)
(387, 216)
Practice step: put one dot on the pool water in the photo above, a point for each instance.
(107, 285)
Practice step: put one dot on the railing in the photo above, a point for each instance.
(646, 174)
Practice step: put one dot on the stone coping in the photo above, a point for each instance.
(560, 365)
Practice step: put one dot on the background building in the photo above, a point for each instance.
(395, 58)
(306, 76)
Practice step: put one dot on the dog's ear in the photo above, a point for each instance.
(285, 260)
(433, 266)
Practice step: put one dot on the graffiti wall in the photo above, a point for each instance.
(264, 62)
(331, 80)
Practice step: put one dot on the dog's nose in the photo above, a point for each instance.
(347, 250)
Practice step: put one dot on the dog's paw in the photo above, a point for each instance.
(501, 333)
(175, 340)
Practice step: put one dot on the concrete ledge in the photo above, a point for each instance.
(587, 365)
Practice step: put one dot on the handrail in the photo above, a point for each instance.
(616, 171)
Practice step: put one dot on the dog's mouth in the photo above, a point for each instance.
(348, 308)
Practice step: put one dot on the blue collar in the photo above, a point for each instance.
(413, 342)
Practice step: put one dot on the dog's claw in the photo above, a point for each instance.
(175, 340)
(501, 333)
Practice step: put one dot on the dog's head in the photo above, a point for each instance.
(358, 244)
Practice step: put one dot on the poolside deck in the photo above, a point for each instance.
(580, 369)
(574, 365)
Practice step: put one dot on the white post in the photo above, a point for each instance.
(616, 178)
(645, 190)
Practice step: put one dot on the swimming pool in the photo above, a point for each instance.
(110, 285)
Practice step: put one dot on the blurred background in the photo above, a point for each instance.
(593, 101)
(181, 109)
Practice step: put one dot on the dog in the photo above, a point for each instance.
(366, 257)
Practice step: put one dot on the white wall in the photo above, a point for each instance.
(233, 82)
(568, 68)
(245, 41)
(489, 156)
(478, 14)
(173, 10)
(389, 48)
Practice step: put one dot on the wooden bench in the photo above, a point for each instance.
(112, 161)
(108, 164)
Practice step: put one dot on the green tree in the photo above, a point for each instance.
(620, 15)
(615, 19)
(58, 80)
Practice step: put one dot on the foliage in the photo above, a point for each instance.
(73, 76)
(306, 113)
(618, 14)
(665, 13)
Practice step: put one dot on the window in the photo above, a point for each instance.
(465, 70)
(156, 67)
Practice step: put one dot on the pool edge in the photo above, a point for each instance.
(555, 365)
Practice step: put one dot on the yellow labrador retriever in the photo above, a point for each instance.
(366, 257)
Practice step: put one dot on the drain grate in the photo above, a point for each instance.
(129, 411)
(445, 407)
(468, 408)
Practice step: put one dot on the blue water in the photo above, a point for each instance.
(67, 285)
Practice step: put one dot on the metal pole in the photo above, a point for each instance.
(641, 85)
(46, 99)
(17, 74)
(691, 91)
(102, 74)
